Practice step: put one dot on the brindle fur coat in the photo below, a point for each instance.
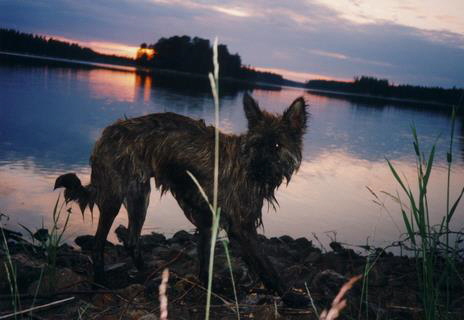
(167, 145)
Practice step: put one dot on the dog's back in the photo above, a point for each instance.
(132, 150)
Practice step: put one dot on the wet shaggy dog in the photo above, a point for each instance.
(167, 145)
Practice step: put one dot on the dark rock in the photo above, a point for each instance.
(336, 246)
(275, 249)
(115, 266)
(329, 282)
(57, 280)
(303, 243)
(296, 254)
(313, 257)
(274, 240)
(297, 275)
(65, 248)
(27, 270)
(295, 300)
(377, 276)
(181, 236)
(41, 235)
(122, 233)
(86, 243)
(286, 239)
(80, 263)
(339, 249)
(279, 263)
(153, 239)
(161, 252)
(10, 234)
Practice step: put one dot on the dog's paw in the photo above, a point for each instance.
(295, 300)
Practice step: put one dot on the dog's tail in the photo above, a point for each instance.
(75, 191)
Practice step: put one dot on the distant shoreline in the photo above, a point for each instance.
(118, 67)
(382, 98)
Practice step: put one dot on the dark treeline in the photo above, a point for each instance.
(185, 54)
(194, 55)
(383, 88)
(19, 42)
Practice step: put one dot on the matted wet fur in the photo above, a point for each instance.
(167, 145)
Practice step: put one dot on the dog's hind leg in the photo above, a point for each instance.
(108, 211)
(203, 249)
(136, 203)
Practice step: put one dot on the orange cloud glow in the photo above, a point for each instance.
(105, 47)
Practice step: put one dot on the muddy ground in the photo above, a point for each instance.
(390, 291)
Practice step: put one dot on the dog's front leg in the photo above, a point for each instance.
(257, 260)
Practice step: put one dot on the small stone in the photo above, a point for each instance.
(122, 233)
(314, 256)
(86, 242)
(303, 243)
(336, 246)
(329, 282)
(181, 236)
(152, 240)
(286, 239)
(41, 235)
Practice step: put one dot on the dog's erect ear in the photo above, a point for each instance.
(252, 111)
(296, 115)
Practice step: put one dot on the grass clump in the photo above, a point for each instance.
(49, 241)
(435, 253)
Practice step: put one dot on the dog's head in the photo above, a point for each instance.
(273, 143)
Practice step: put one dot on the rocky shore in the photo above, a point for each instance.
(389, 289)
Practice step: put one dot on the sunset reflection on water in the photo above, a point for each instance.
(52, 117)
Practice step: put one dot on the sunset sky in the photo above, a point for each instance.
(406, 41)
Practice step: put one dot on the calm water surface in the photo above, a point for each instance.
(50, 118)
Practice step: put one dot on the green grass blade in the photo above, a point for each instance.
(408, 227)
(453, 208)
(397, 177)
(229, 263)
(428, 170)
(214, 233)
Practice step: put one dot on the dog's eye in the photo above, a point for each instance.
(277, 146)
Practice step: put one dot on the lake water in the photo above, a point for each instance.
(50, 118)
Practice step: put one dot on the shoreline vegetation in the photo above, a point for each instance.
(389, 288)
(192, 56)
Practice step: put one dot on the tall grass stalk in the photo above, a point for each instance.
(226, 250)
(216, 212)
(425, 238)
(371, 260)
